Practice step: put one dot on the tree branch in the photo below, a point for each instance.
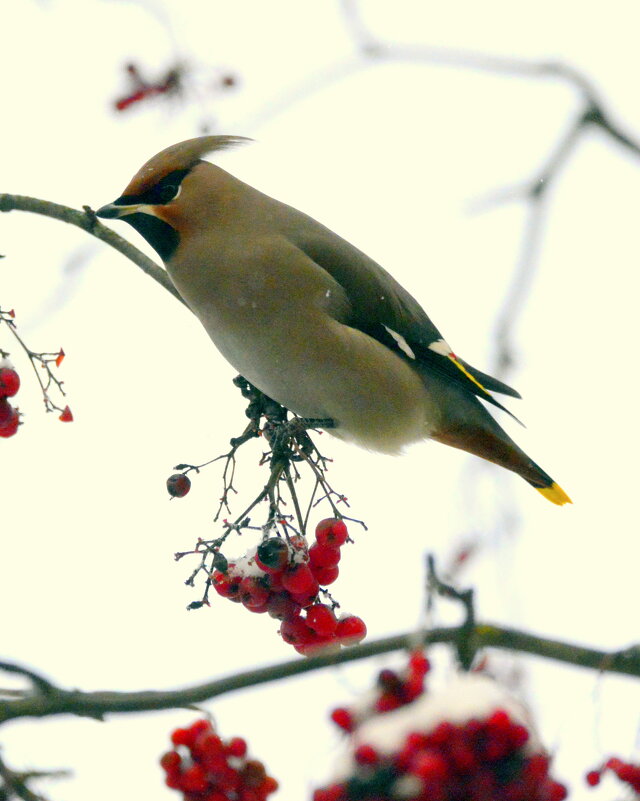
(58, 701)
(88, 221)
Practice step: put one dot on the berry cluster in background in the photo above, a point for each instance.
(285, 578)
(411, 744)
(393, 690)
(627, 772)
(204, 767)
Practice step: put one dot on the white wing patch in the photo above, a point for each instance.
(402, 343)
(441, 347)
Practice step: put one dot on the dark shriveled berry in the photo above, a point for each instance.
(178, 485)
(273, 553)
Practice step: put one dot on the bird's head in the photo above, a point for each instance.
(151, 202)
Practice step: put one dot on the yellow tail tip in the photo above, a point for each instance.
(555, 494)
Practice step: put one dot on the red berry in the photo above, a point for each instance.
(66, 416)
(389, 681)
(171, 761)
(236, 747)
(326, 575)
(518, 736)
(443, 734)
(11, 419)
(206, 745)
(593, 778)
(557, 792)
(499, 721)
(418, 664)
(272, 555)
(282, 606)
(298, 579)
(253, 593)
(429, 765)
(351, 630)
(226, 584)
(387, 702)
(215, 795)
(537, 768)
(178, 485)
(268, 786)
(343, 718)
(194, 780)
(181, 737)
(332, 532)
(323, 556)
(253, 773)
(9, 382)
(412, 688)
(321, 619)
(366, 754)
(296, 632)
(6, 411)
(335, 792)
(172, 780)
(306, 598)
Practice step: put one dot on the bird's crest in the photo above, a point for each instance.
(181, 156)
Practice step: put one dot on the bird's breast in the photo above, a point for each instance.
(278, 334)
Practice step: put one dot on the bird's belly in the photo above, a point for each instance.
(319, 368)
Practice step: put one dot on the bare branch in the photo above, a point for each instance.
(485, 635)
(88, 221)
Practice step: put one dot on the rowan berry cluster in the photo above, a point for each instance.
(285, 577)
(204, 767)
(432, 748)
(626, 771)
(393, 689)
(9, 385)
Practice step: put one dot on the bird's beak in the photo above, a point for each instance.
(114, 210)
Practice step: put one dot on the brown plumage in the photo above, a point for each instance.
(308, 318)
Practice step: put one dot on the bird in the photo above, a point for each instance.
(308, 318)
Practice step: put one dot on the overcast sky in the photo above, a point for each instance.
(395, 156)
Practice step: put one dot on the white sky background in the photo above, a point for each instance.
(391, 156)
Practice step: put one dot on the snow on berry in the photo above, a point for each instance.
(471, 740)
(285, 577)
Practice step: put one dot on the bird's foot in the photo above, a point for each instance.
(316, 422)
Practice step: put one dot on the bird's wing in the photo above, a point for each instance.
(383, 309)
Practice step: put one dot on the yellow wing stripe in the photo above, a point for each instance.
(460, 367)
(555, 494)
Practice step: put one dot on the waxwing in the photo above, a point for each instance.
(309, 319)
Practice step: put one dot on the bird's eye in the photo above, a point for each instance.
(167, 193)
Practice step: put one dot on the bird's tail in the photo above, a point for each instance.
(469, 426)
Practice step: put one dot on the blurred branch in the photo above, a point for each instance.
(466, 643)
(13, 784)
(88, 221)
(593, 114)
(58, 701)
